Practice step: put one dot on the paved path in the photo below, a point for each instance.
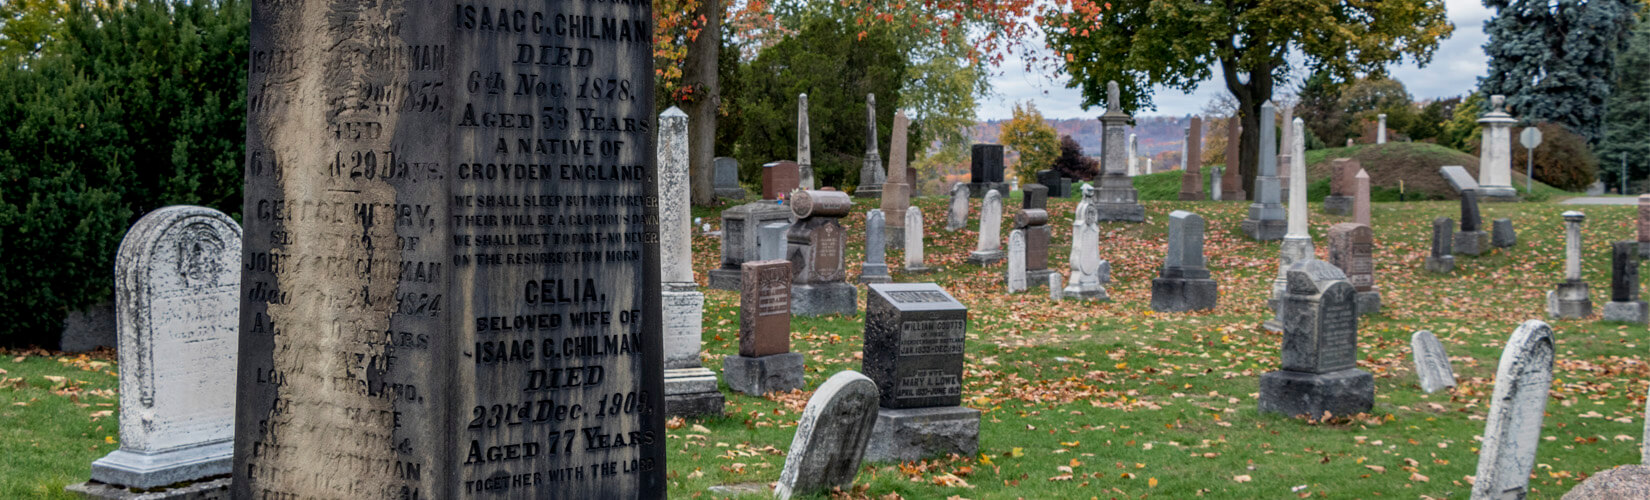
(1601, 200)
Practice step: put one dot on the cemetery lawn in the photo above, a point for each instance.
(1108, 400)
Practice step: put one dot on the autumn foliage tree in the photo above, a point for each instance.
(1028, 134)
(1181, 43)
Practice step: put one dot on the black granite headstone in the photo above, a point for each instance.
(1034, 196)
(452, 214)
(987, 163)
(1624, 271)
(914, 334)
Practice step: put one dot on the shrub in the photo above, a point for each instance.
(1073, 163)
(1563, 160)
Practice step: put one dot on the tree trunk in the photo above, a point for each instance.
(699, 72)
(1250, 96)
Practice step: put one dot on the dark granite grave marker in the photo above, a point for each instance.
(727, 179)
(986, 169)
(1472, 240)
(1502, 234)
(817, 242)
(1320, 348)
(765, 362)
(1441, 260)
(1183, 284)
(451, 257)
(1034, 196)
(1058, 185)
(914, 337)
(779, 179)
(1624, 304)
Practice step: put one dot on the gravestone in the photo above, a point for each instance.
(871, 175)
(990, 247)
(986, 170)
(1502, 234)
(770, 243)
(1441, 261)
(1134, 155)
(1431, 362)
(1320, 348)
(1214, 183)
(727, 179)
(1089, 273)
(1621, 482)
(1380, 129)
(1360, 197)
(1352, 249)
(740, 239)
(398, 307)
(1232, 185)
(1117, 198)
(1191, 181)
(779, 179)
(1016, 274)
(1624, 304)
(1472, 240)
(1058, 185)
(1055, 293)
(1644, 225)
(875, 268)
(1034, 222)
(896, 193)
(1339, 201)
(1286, 151)
(690, 388)
(914, 241)
(1266, 219)
(1512, 429)
(914, 337)
(765, 362)
(804, 145)
(830, 437)
(1297, 243)
(817, 241)
(1570, 299)
(177, 313)
(957, 217)
(1458, 178)
(1034, 196)
(1495, 157)
(1183, 284)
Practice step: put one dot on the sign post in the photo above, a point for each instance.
(1530, 139)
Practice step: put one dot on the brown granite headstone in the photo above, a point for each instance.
(1231, 182)
(765, 308)
(1191, 181)
(1351, 248)
(779, 179)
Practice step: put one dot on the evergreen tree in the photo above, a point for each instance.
(1627, 116)
(1553, 58)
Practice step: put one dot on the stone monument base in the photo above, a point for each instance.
(1183, 294)
(734, 193)
(691, 392)
(1346, 392)
(1121, 212)
(868, 191)
(1368, 302)
(1627, 312)
(1472, 243)
(1569, 301)
(895, 237)
(1497, 193)
(875, 273)
(1086, 292)
(985, 258)
(921, 269)
(978, 189)
(1265, 230)
(1337, 205)
(153, 470)
(822, 299)
(916, 433)
(763, 374)
(725, 279)
(1037, 278)
(215, 489)
(1441, 265)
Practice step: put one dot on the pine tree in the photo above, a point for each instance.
(1627, 115)
(1553, 58)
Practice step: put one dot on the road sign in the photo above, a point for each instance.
(1530, 138)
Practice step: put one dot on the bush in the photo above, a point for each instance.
(1073, 163)
(134, 108)
(1563, 160)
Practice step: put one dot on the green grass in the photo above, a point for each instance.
(1117, 394)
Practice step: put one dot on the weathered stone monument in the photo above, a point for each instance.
(1320, 348)
(1117, 199)
(875, 268)
(1191, 182)
(1214, 183)
(1034, 222)
(740, 239)
(986, 170)
(1089, 273)
(1266, 221)
(1297, 244)
(1431, 362)
(1570, 300)
(1183, 284)
(914, 241)
(1016, 273)
(831, 437)
(1512, 429)
(1058, 185)
(1339, 201)
(177, 310)
(1055, 292)
(1351, 248)
(1380, 128)
(816, 253)
(690, 388)
(1624, 304)
(1286, 151)
(914, 336)
(1495, 156)
(1360, 198)
(804, 145)
(957, 216)
(1441, 260)
(727, 179)
(1472, 240)
(779, 179)
(871, 175)
(765, 362)
(990, 247)
(1231, 185)
(390, 313)
(1502, 234)
(1134, 155)
(896, 193)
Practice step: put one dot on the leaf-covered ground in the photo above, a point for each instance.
(1108, 400)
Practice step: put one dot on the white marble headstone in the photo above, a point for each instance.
(1512, 429)
(1431, 362)
(178, 308)
(991, 223)
(1016, 261)
(831, 436)
(957, 217)
(914, 239)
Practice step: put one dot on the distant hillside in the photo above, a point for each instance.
(1158, 134)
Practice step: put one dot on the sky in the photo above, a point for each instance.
(1454, 71)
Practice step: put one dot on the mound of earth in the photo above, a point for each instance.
(1414, 163)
